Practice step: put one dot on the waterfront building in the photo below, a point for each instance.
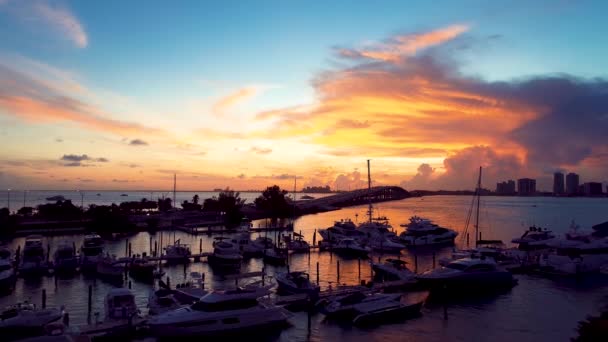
(506, 188)
(572, 181)
(558, 183)
(526, 186)
(592, 189)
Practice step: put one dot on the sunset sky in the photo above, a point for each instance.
(246, 94)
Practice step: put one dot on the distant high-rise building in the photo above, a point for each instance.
(592, 189)
(526, 186)
(572, 183)
(505, 188)
(558, 183)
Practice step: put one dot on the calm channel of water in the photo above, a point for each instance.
(536, 309)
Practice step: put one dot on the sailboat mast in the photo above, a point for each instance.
(174, 189)
(293, 215)
(369, 192)
(477, 213)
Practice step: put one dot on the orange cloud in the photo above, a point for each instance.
(226, 103)
(66, 110)
(406, 45)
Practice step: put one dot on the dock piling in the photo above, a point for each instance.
(200, 246)
(90, 303)
(415, 263)
(317, 273)
(168, 282)
(359, 264)
(129, 249)
(433, 260)
(129, 284)
(126, 247)
(467, 239)
(44, 298)
(338, 271)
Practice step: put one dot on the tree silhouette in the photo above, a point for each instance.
(273, 202)
(228, 202)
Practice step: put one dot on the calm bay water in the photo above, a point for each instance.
(536, 309)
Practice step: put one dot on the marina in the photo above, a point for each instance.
(328, 269)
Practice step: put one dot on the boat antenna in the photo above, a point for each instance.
(478, 195)
(369, 192)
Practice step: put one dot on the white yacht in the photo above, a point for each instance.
(25, 320)
(376, 228)
(297, 282)
(91, 252)
(468, 274)
(384, 244)
(572, 256)
(341, 229)
(252, 248)
(177, 253)
(222, 313)
(297, 243)
(535, 238)
(275, 256)
(422, 232)
(393, 269)
(245, 225)
(350, 247)
(65, 259)
(119, 304)
(8, 276)
(110, 269)
(33, 259)
(225, 255)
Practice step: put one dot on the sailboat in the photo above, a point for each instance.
(483, 248)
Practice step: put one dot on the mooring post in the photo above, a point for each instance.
(359, 264)
(44, 298)
(317, 273)
(90, 302)
(126, 247)
(200, 246)
(150, 246)
(415, 263)
(155, 248)
(168, 282)
(314, 238)
(129, 284)
(129, 249)
(433, 260)
(338, 271)
(467, 239)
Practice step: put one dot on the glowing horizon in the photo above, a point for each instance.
(254, 95)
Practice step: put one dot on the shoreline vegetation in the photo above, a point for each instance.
(227, 209)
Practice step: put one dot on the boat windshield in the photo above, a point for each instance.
(456, 266)
(228, 305)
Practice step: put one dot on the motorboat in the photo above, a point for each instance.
(275, 256)
(119, 304)
(297, 243)
(221, 314)
(245, 225)
(393, 269)
(191, 290)
(33, 261)
(350, 247)
(376, 228)
(177, 253)
(340, 230)
(161, 301)
(422, 232)
(384, 244)
(570, 256)
(225, 255)
(91, 252)
(7, 275)
(110, 269)
(535, 238)
(296, 282)
(25, 320)
(142, 268)
(251, 248)
(363, 307)
(469, 274)
(65, 258)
